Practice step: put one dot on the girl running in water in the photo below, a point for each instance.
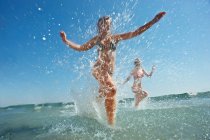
(138, 73)
(104, 66)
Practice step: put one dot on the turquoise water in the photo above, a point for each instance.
(184, 116)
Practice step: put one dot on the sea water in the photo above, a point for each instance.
(183, 116)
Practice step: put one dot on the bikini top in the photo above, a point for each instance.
(138, 73)
(112, 46)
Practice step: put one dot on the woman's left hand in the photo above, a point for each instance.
(159, 16)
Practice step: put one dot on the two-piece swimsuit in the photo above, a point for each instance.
(137, 81)
(112, 48)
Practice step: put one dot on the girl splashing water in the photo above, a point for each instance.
(138, 73)
(104, 66)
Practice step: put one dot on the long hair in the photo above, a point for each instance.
(101, 23)
(137, 62)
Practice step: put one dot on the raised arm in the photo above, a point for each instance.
(150, 74)
(140, 30)
(88, 45)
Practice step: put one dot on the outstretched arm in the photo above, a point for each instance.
(88, 45)
(128, 78)
(140, 30)
(150, 74)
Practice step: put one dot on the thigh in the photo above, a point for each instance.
(110, 86)
(105, 79)
(137, 90)
(96, 72)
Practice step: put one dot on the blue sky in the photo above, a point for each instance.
(36, 67)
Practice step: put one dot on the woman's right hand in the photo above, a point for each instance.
(63, 36)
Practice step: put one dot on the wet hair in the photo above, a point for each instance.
(101, 22)
(137, 61)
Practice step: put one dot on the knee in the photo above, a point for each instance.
(145, 94)
(114, 89)
(112, 92)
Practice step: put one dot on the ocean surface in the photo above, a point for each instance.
(171, 117)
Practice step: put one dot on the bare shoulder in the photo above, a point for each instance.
(116, 38)
(93, 40)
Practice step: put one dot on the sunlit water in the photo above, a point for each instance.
(175, 117)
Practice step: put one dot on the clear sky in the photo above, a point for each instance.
(36, 67)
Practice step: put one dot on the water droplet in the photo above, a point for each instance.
(44, 38)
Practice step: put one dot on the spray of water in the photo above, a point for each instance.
(84, 96)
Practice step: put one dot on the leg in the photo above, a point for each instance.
(97, 74)
(101, 95)
(140, 96)
(107, 89)
(137, 99)
(137, 91)
(110, 100)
